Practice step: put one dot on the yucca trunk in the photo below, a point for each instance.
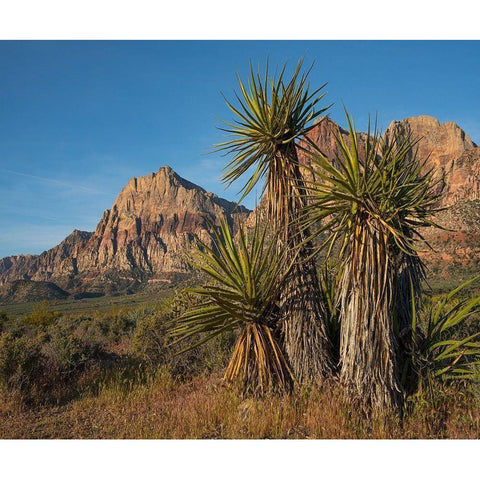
(305, 338)
(258, 362)
(411, 273)
(368, 349)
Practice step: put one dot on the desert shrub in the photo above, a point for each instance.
(42, 363)
(42, 314)
(149, 339)
(67, 352)
(115, 324)
(121, 322)
(21, 364)
(153, 346)
(3, 320)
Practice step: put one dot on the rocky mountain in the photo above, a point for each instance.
(453, 156)
(142, 238)
(450, 152)
(60, 261)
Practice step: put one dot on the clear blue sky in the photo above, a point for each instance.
(78, 119)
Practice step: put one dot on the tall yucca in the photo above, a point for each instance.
(245, 275)
(271, 114)
(372, 205)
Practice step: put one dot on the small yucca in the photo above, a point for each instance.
(246, 274)
(440, 350)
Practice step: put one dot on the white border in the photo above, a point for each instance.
(238, 19)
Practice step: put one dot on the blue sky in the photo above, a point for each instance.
(78, 119)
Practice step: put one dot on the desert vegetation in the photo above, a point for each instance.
(272, 114)
(113, 375)
(314, 322)
(370, 202)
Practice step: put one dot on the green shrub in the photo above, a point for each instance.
(66, 352)
(43, 364)
(21, 364)
(443, 343)
(3, 320)
(149, 339)
(153, 346)
(42, 315)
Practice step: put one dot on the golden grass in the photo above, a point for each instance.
(205, 408)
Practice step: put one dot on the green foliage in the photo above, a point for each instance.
(245, 279)
(449, 349)
(43, 314)
(271, 113)
(3, 320)
(42, 362)
(67, 351)
(21, 363)
(386, 184)
(329, 278)
(151, 345)
(370, 201)
(149, 339)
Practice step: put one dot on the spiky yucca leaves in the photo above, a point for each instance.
(271, 115)
(329, 277)
(373, 207)
(246, 275)
(443, 351)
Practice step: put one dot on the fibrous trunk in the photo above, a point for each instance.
(305, 336)
(368, 349)
(258, 362)
(411, 272)
(306, 342)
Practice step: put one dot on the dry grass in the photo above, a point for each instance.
(205, 408)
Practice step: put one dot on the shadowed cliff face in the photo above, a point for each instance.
(155, 218)
(144, 235)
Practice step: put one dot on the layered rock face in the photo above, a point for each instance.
(152, 223)
(143, 237)
(454, 157)
(450, 152)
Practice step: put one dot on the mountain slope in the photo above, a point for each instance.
(141, 238)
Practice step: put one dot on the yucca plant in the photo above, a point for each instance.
(329, 277)
(372, 203)
(271, 114)
(245, 276)
(438, 348)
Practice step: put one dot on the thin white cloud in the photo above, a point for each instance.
(53, 181)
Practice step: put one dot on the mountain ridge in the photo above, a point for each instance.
(155, 218)
(139, 238)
